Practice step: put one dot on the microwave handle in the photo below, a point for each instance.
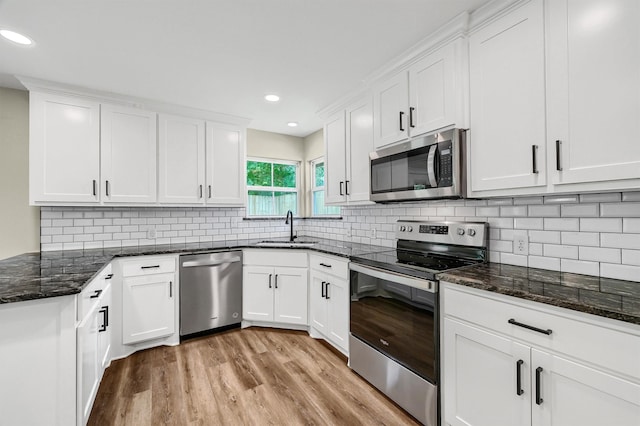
(431, 166)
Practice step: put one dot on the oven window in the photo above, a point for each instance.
(397, 320)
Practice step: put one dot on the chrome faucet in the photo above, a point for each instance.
(286, 222)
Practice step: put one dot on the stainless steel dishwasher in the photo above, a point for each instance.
(210, 291)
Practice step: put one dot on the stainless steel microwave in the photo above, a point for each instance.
(429, 167)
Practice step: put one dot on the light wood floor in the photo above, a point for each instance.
(253, 376)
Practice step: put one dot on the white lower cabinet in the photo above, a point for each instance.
(497, 373)
(329, 300)
(93, 342)
(274, 286)
(148, 299)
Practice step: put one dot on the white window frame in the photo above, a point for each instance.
(274, 188)
(315, 188)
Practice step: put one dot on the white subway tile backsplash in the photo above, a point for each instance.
(556, 224)
(580, 210)
(631, 196)
(565, 232)
(599, 254)
(601, 224)
(580, 267)
(580, 238)
(565, 252)
(541, 262)
(550, 237)
(608, 197)
(631, 225)
(628, 241)
(513, 211)
(621, 272)
(544, 211)
(631, 257)
(623, 209)
(528, 223)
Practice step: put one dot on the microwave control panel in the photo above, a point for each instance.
(445, 164)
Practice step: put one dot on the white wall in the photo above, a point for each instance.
(19, 223)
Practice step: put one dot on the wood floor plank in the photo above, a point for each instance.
(254, 376)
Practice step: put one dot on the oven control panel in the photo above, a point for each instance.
(460, 233)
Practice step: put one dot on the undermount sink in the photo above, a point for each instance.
(294, 243)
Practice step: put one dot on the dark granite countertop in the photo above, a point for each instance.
(58, 273)
(604, 297)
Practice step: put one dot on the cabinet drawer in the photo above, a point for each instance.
(330, 265)
(605, 343)
(148, 265)
(294, 258)
(92, 293)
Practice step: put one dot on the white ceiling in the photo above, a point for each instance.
(219, 55)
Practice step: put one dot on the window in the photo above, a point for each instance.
(317, 190)
(272, 187)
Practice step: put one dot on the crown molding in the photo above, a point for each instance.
(38, 85)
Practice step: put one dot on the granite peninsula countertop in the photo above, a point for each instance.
(606, 297)
(32, 276)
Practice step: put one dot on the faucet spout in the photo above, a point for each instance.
(286, 222)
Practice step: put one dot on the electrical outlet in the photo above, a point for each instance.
(151, 233)
(348, 230)
(520, 243)
(373, 232)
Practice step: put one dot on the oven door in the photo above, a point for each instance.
(398, 316)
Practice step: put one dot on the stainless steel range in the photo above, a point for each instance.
(394, 322)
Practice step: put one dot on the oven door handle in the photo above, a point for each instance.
(422, 284)
(431, 166)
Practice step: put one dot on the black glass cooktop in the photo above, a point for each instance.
(415, 263)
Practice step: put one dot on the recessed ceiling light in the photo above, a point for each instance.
(16, 37)
(292, 124)
(272, 98)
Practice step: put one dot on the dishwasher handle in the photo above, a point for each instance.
(196, 263)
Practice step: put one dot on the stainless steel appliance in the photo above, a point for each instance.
(394, 322)
(428, 167)
(210, 291)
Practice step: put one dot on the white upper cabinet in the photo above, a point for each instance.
(181, 160)
(225, 164)
(594, 93)
(336, 163)
(422, 99)
(507, 101)
(432, 96)
(128, 155)
(391, 108)
(348, 142)
(64, 149)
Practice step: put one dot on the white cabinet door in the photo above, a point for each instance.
(89, 364)
(104, 329)
(480, 378)
(225, 165)
(390, 109)
(128, 155)
(573, 394)
(337, 295)
(359, 143)
(318, 308)
(181, 160)
(148, 308)
(64, 149)
(432, 96)
(507, 84)
(335, 145)
(257, 293)
(290, 295)
(594, 91)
